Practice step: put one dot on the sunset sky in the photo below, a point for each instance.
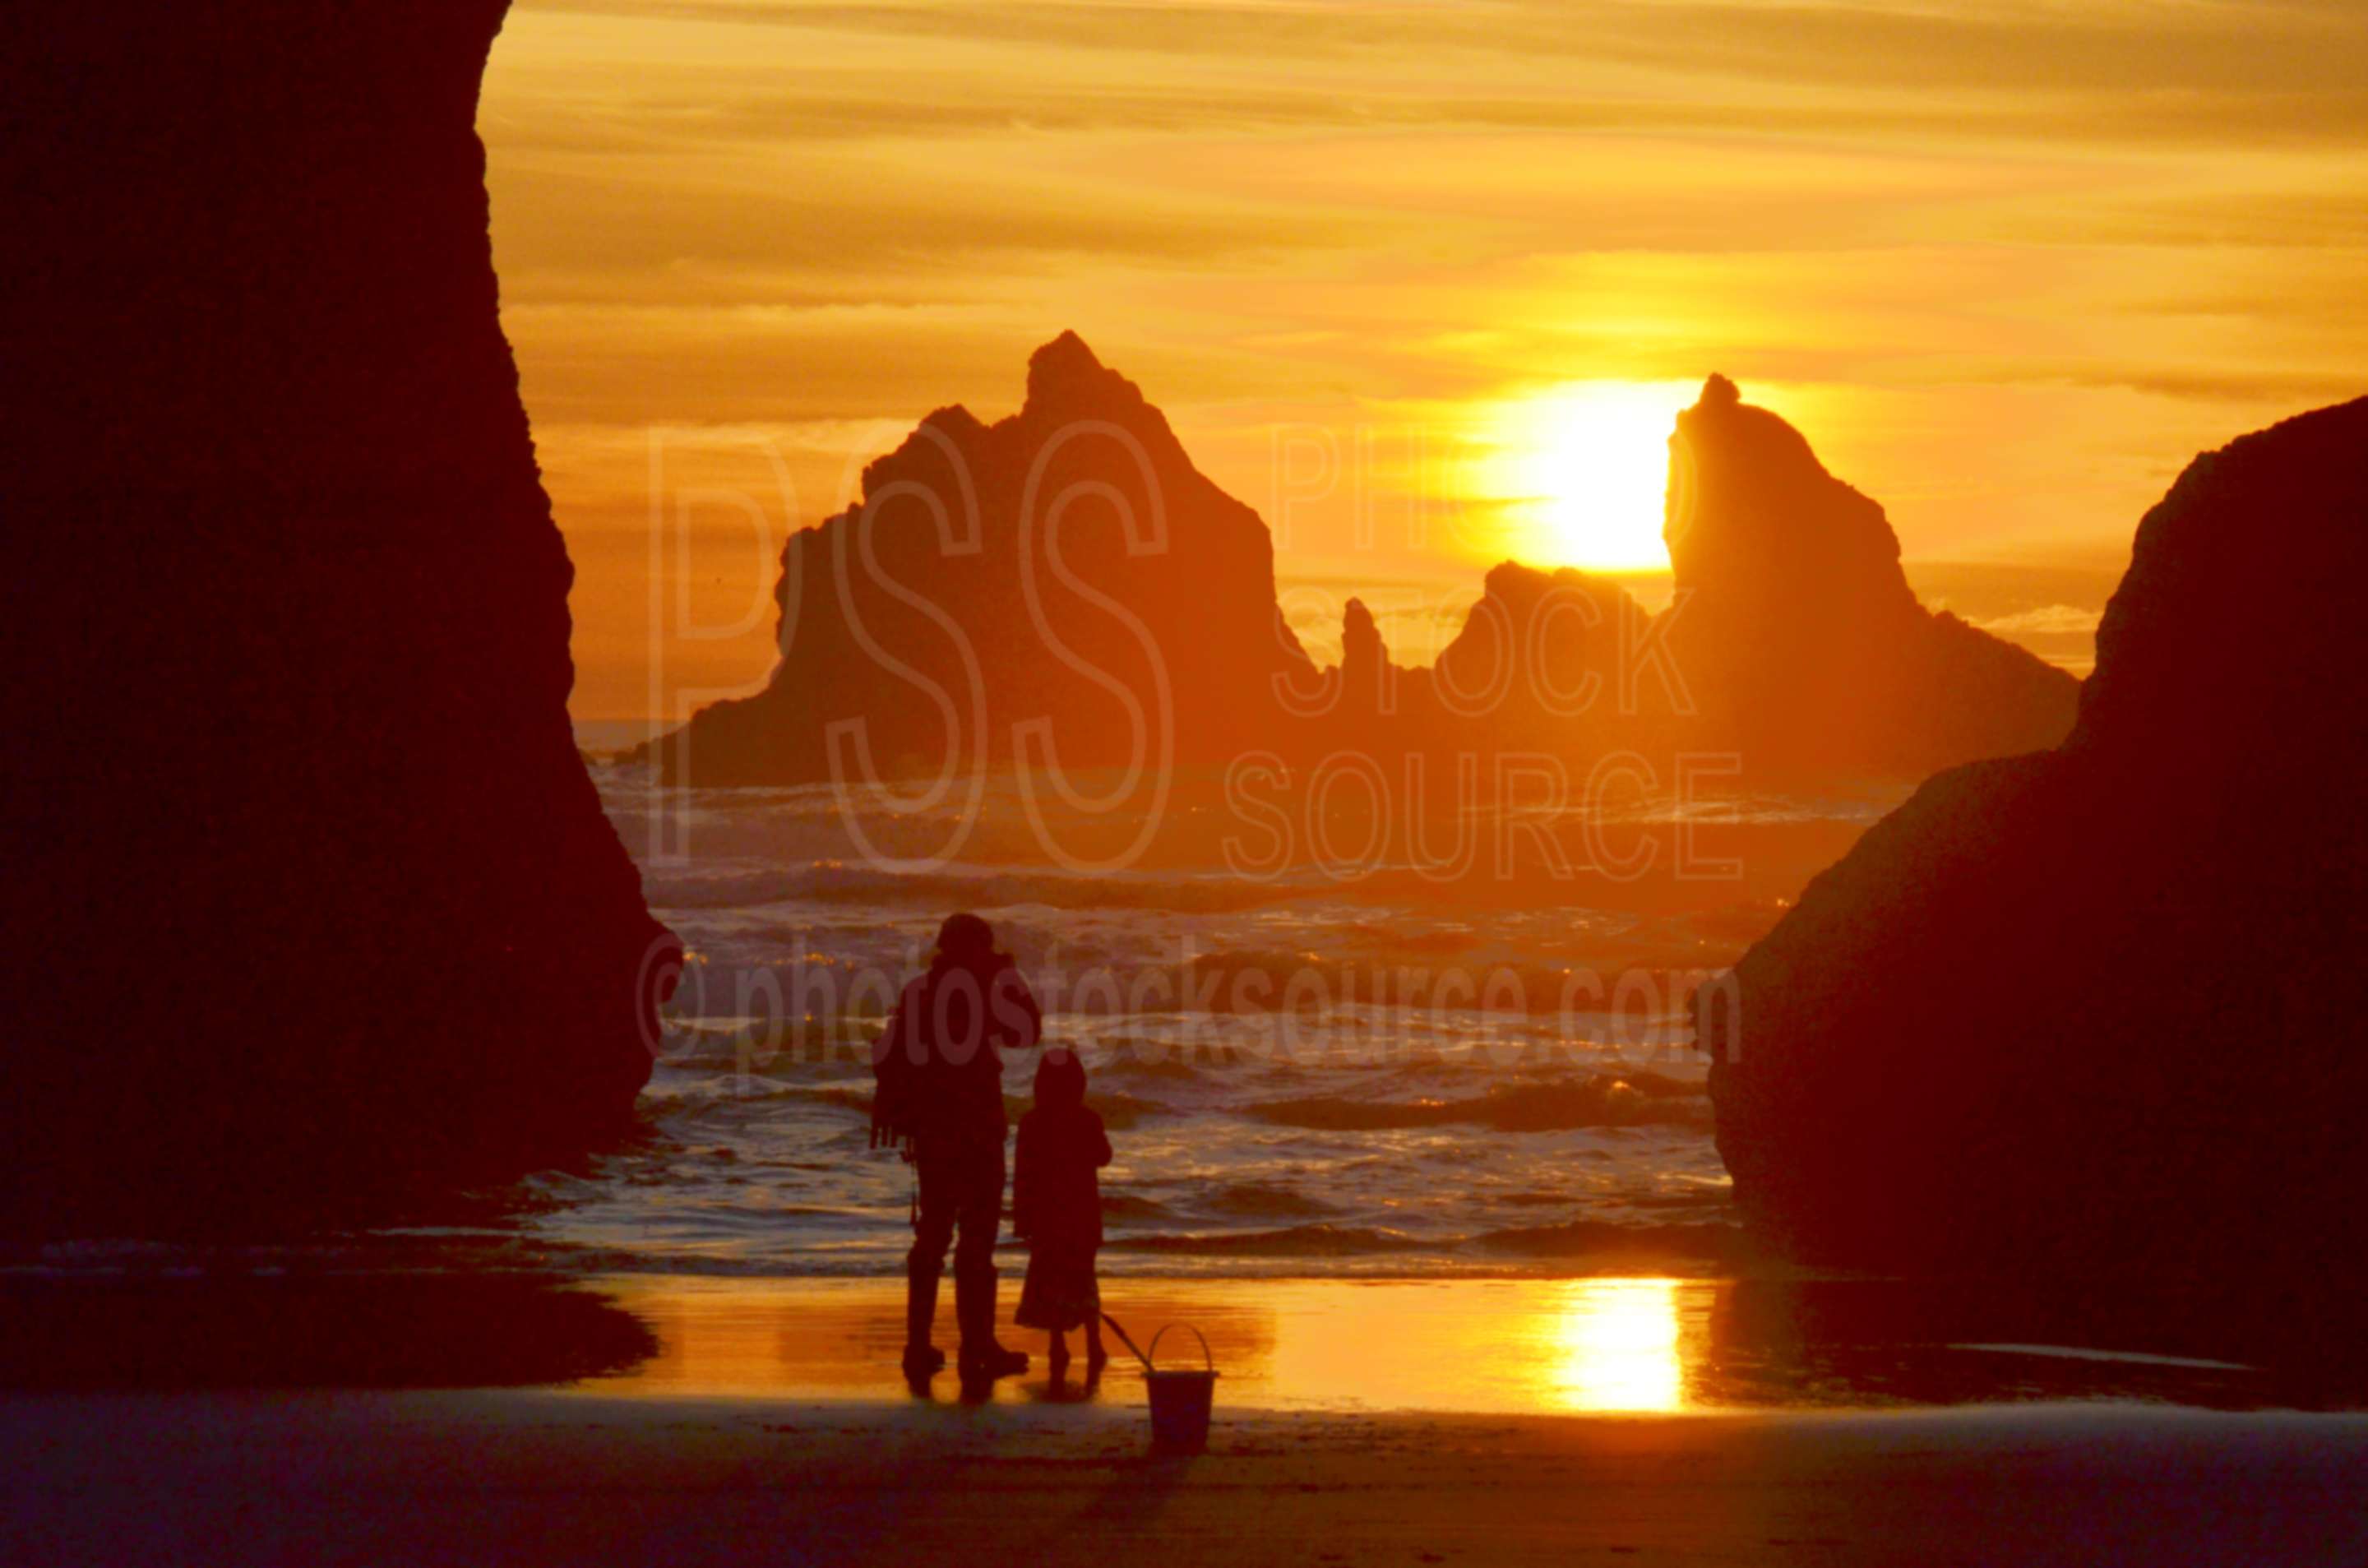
(2008, 265)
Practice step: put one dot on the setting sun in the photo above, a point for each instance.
(1586, 465)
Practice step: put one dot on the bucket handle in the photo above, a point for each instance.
(1150, 1359)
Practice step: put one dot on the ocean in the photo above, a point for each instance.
(1302, 1073)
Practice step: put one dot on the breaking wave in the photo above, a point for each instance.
(1640, 1099)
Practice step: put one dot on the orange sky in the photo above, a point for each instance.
(2008, 264)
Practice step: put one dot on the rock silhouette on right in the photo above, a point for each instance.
(2098, 1010)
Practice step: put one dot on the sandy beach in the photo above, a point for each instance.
(762, 1422)
(517, 1476)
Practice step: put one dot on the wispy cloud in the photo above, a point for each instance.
(2047, 620)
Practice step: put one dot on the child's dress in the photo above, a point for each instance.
(1056, 1203)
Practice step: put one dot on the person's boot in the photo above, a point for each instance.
(983, 1358)
(921, 1357)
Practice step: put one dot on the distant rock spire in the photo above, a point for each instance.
(1361, 640)
(1364, 661)
(1065, 374)
(1065, 352)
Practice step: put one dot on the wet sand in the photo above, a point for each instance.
(1644, 1346)
(762, 1422)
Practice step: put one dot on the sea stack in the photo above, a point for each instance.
(308, 890)
(1798, 635)
(2097, 1009)
(1062, 583)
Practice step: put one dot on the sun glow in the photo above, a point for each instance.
(1615, 1347)
(1586, 467)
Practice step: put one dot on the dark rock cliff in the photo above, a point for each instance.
(2099, 1008)
(308, 890)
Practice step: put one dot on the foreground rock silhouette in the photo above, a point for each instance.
(308, 892)
(2097, 1009)
(1064, 581)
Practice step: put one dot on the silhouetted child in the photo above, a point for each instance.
(1056, 1206)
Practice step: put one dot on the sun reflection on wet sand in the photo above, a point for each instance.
(1637, 1345)
(1616, 1346)
(1515, 1345)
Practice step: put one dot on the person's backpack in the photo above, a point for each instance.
(896, 1081)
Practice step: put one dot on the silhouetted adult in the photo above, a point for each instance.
(939, 1067)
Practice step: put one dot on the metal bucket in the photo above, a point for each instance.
(1180, 1398)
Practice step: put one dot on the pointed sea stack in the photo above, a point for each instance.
(1063, 581)
(2097, 1009)
(1797, 632)
(1538, 659)
(308, 892)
